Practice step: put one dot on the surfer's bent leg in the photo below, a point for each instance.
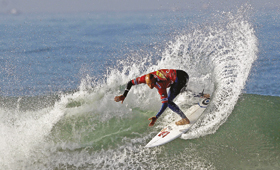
(176, 109)
(180, 82)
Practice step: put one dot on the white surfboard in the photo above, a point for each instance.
(172, 131)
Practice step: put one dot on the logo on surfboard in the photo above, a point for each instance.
(163, 133)
(206, 101)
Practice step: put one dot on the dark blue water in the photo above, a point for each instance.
(264, 78)
(43, 54)
(49, 53)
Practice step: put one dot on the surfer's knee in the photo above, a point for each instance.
(171, 103)
(176, 109)
(173, 106)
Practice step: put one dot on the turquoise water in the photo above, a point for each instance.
(60, 73)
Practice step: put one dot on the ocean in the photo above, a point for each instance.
(59, 74)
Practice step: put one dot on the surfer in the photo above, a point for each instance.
(161, 80)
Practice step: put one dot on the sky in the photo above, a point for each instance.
(72, 6)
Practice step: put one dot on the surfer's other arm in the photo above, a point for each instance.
(123, 96)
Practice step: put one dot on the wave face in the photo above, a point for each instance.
(86, 129)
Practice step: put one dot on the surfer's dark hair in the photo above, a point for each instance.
(151, 76)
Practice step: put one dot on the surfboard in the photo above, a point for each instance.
(172, 131)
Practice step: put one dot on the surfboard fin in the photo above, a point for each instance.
(200, 94)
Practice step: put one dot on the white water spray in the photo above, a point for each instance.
(233, 50)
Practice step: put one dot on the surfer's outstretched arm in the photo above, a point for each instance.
(154, 119)
(128, 87)
(123, 96)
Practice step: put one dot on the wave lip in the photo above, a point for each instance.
(234, 48)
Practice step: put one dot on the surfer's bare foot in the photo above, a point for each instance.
(183, 122)
(206, 95)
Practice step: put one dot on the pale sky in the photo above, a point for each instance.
(61, 6)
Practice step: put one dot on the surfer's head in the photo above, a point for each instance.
(150, 80)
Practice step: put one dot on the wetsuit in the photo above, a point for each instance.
(165, 78)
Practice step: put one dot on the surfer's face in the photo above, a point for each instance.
(151, 85)
(150, 82)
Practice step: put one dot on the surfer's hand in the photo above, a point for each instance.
(153, 121)
(119, 98)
